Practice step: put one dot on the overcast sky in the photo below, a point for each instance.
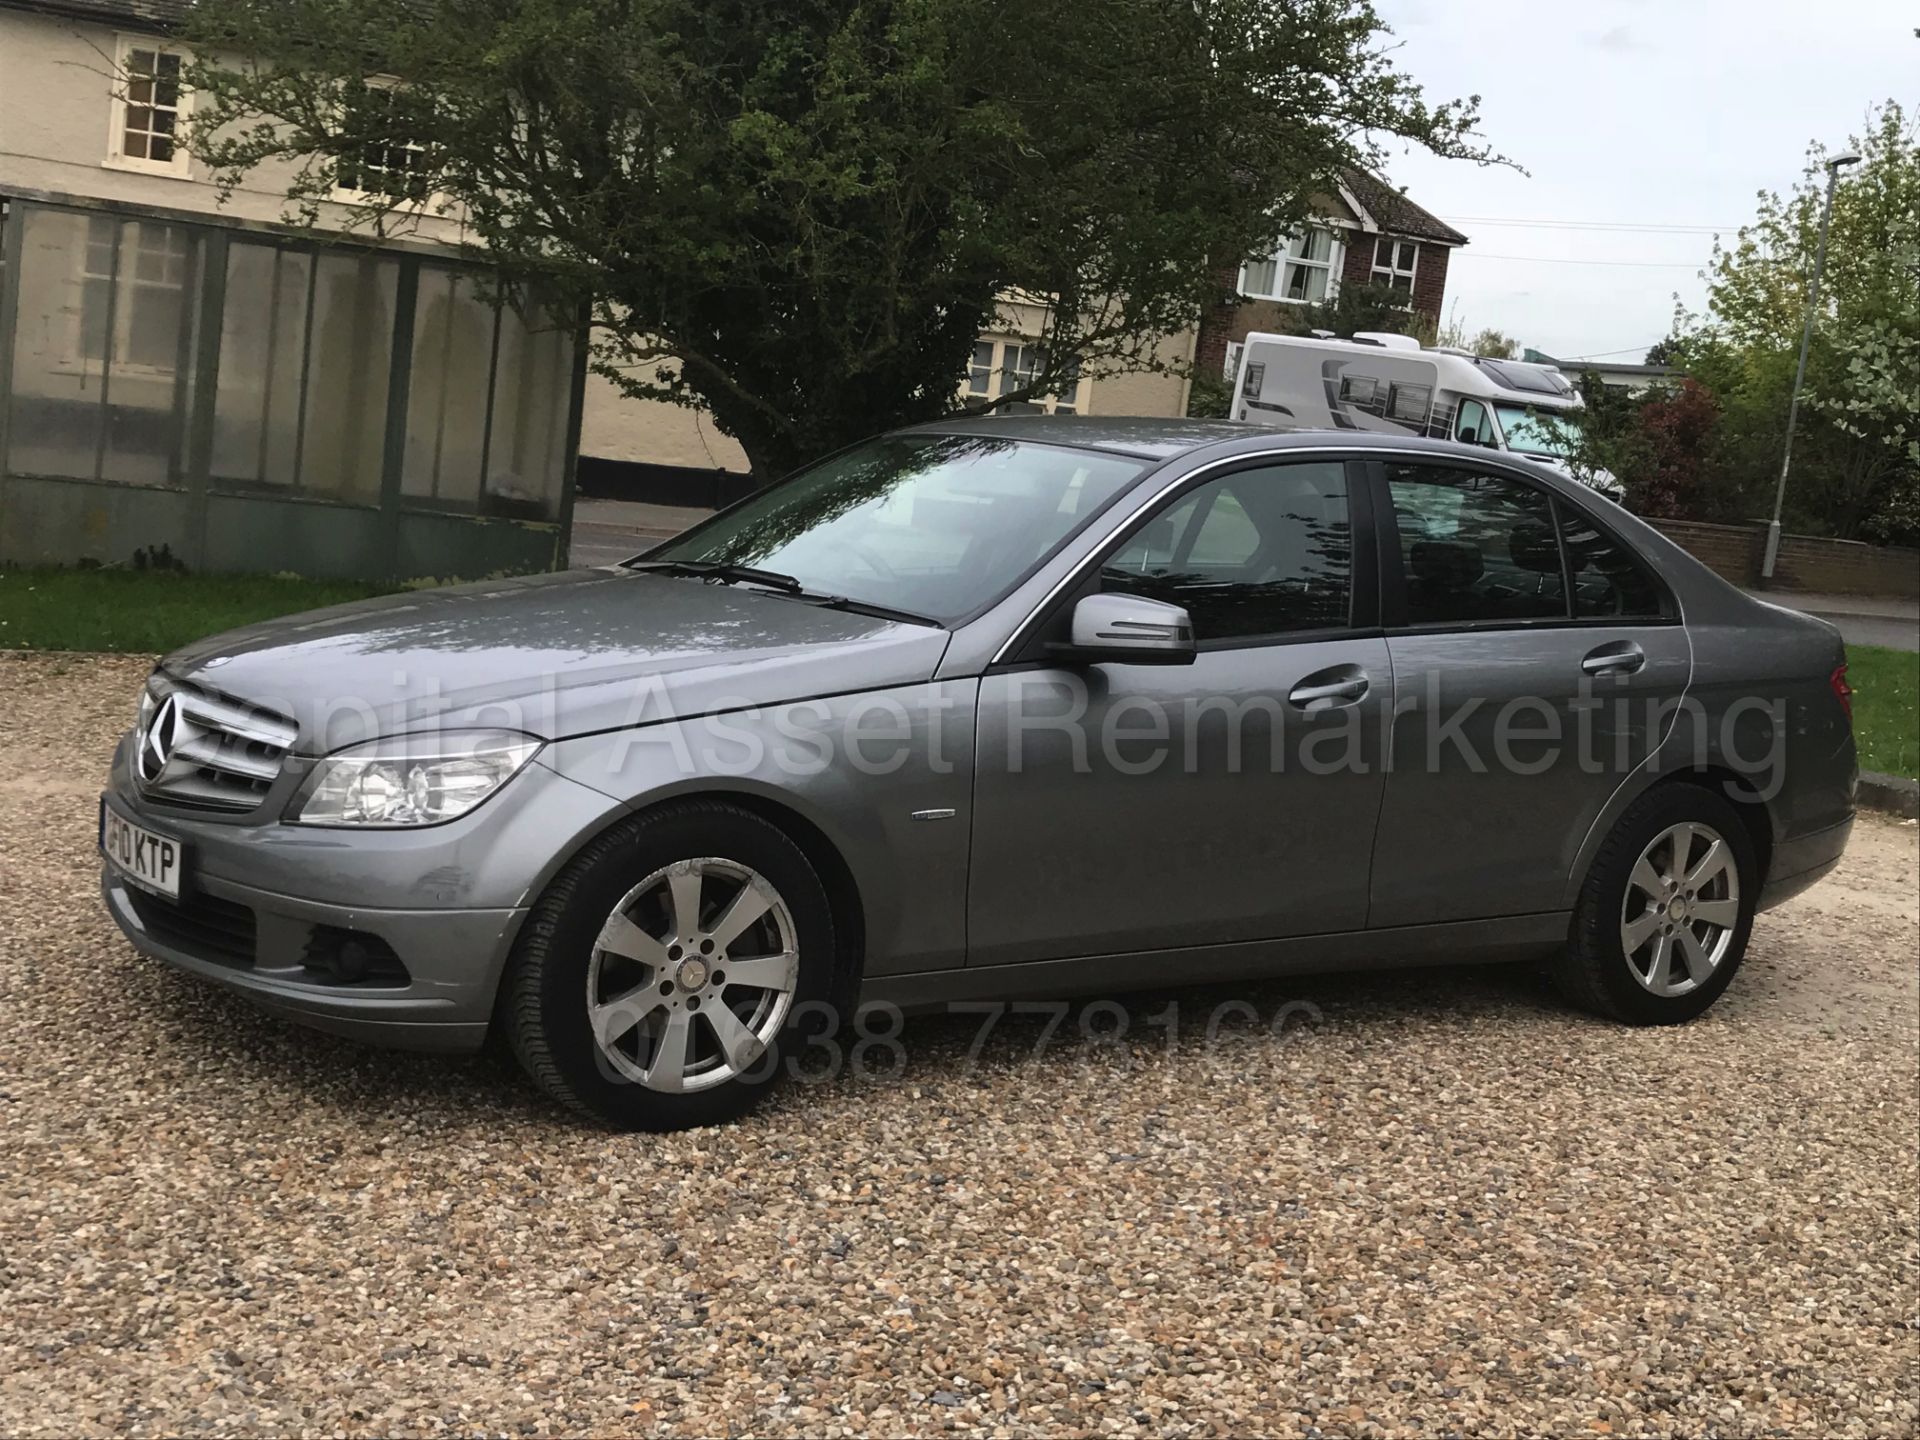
(1631, 112)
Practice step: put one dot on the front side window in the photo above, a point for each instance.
(1395, 262)
(933, 525)
(1301, 268)
(1471, 425)
(1260, 552)
(150, 107)
(1477, 548)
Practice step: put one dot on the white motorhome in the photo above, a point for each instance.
(1392, 383)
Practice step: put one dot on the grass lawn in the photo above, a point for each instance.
(1886, 708)
(148, 611)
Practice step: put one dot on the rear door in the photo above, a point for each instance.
(1536, 662)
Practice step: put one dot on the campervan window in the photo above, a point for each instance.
(1359, 389)
(1410, 404)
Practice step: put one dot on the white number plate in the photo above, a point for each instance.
(151, 861)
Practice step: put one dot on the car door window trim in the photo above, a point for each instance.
(1391, 559)
(1363, 596)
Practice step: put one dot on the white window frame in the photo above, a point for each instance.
(180, 165)
(1391, 274)
(1334, 264)
(347, 195)
(1008, 365)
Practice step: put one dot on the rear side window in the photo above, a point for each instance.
(1607, 580)
(1476, 548)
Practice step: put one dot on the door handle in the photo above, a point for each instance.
(1315, 693)
(1623, 657)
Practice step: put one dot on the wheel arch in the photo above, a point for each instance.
(1738, 791)
(836, 874)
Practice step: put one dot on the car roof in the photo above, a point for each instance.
(1149, 437)
(1160, 438)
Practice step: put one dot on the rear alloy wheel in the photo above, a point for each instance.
(1662, 921)
(1681, 909)
(668, 973)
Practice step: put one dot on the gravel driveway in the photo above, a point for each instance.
(1445, 1204)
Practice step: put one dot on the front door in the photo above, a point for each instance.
(1137, 807)
(1536, 663)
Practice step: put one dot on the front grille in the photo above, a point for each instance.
(201, 750)
(204, 926)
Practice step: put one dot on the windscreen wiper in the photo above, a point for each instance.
(784, 584)
(864, 607)
(720, 570)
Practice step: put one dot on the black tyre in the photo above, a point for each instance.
(663, 973)
(1662, 921)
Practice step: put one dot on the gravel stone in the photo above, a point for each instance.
(1435, 1202)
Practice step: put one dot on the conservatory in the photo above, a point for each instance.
(225, 397)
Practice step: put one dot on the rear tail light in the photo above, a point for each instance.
(1842, 691)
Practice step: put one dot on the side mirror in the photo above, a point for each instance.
(1128, 630)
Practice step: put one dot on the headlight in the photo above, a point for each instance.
(411, 779)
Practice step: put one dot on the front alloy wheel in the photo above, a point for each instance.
(669, 971)
(693, 975)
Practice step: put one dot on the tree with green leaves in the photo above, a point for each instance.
(799, 216)
(1858, 444)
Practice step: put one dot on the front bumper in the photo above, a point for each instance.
(453, 960)
(263, 904)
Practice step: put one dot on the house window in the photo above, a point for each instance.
(1302, 269)
(381, 160)
(148, 109)
(1394, 262)
(1006, 367)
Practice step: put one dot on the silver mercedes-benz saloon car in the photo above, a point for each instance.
(995, 709)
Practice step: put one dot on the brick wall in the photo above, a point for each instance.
(1430, 282)
(1216, 326)
(1811, 564)
(1845, 567)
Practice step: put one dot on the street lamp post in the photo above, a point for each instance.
(1834, 167)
